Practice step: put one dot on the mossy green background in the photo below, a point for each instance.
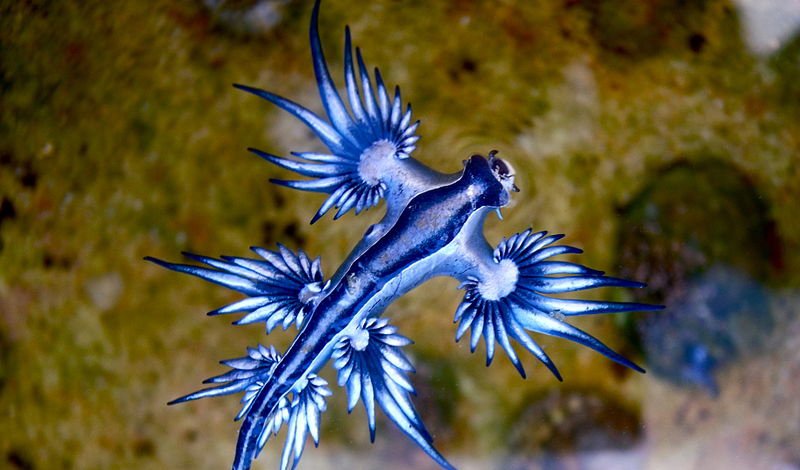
(121, 137)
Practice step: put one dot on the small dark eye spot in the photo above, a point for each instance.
(500, 167)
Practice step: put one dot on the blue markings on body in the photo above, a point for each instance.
(433, 226)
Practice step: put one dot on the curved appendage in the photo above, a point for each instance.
(372, 367)
(364, 142)
(300, 412)
(248, 374)
(282, 287)
(433, 226)
(511, 293)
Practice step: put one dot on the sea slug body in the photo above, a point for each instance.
(433, 226)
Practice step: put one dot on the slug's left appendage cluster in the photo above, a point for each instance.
(375, 128)
(282, 287)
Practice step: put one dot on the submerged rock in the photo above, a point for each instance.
(642, 29)
(786, 65)
(721, 315)
(701, 235)
(566, 422)
(247, 17)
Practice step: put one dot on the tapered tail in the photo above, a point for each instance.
(270, 408)
(246, 445)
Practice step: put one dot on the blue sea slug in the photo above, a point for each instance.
(433, 226)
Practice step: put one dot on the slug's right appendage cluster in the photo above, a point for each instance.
(518, 298)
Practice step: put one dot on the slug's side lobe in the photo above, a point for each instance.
(433, 226)
(510, 295)
(363, 146)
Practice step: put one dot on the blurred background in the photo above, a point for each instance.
(662, 136)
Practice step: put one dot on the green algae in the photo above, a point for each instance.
(667, 237)
(121, 137)
(571, 420)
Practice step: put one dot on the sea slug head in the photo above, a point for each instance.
(492, 180)
(503, 171)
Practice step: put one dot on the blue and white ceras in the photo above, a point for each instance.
(433, 226)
